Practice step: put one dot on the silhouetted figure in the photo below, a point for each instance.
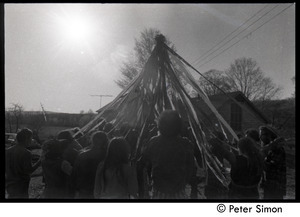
(253, 134)
(115, 177)
(170, 158)
(56, 185)
(69, 156)
(86, 164)
(235, 141)
(18, 166)
(274, 183)
(246, 170)
(214, 188)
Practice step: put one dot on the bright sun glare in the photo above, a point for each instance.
(74, 31)
(75, 28)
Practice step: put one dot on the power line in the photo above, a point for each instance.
(241, 32)
(247, 35)
(228, 35)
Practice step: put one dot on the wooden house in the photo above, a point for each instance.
(240, 113)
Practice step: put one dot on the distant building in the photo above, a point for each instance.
(240, 115)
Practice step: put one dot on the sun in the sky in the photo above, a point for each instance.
(75, 28)
(73, 32)
(72, 25)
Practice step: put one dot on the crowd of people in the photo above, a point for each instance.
(106, 163)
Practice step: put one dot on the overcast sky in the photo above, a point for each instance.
(60, 54)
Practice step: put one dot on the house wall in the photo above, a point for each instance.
(249, 118)
(225, 111)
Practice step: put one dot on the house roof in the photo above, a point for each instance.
(218, 100)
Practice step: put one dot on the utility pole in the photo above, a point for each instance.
(100, 96)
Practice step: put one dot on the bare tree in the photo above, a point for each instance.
(219, 80)
(137, 59)
(244, 75)
(17, 111)
(9, 119)
(129, 70)
(14, 115)
(90, 111)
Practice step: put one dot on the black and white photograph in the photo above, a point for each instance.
(186, 102)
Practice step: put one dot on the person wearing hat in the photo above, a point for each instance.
(274, 183)
(18, 166)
